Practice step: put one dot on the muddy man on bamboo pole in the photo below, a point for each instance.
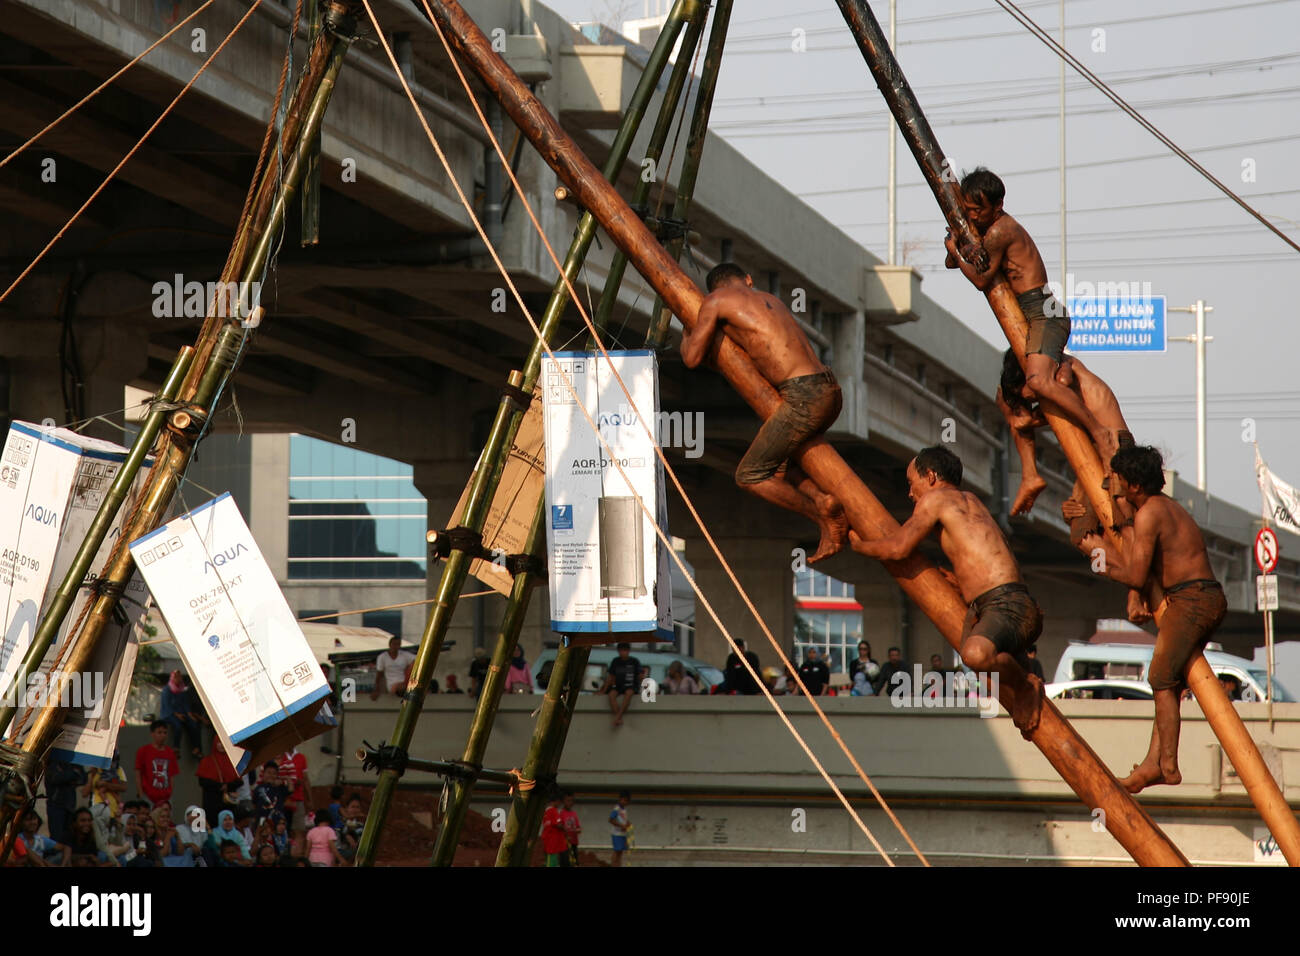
(1002, 621)
(810, 398)
(1164, 542)
(1012, 252)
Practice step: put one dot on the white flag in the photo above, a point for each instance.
(1281, 501)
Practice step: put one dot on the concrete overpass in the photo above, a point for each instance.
(389, 322)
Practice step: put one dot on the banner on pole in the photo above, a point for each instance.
(607, 568)
(1281, 501)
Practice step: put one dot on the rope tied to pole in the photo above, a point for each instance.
(384, 757)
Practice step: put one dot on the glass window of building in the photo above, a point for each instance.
(827, 616)
(353, 516)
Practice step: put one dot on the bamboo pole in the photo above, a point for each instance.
(1081, 769)
(309, 231)
(552, 726)
(489, 699)
(543, 756)
(913, 125)
(214, 357)
(653, 152)
(660, 316)
(504, 426)
(444, 848)
(1075, 442)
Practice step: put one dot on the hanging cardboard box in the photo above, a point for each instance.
(235, 633)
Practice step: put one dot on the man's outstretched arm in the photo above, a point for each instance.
(1140, 544)
(695, 341)
(900, 544)
(995, 244)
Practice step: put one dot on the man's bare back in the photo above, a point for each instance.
(762, 326)
(1097, 397)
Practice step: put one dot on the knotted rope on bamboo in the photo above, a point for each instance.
(186, 420)
(384, 757)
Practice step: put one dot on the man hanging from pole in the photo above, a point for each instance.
(1012, 252)
(1016, 402)
(1164, 542)
(810, 398)
(1003, 621)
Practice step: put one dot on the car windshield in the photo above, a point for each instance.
(1280, 694)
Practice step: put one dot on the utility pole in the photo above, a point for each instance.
(1200, 340)
(1064, 278)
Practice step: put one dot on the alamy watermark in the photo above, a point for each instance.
(929, 689)
(683, 430)
(179, 299)
(82, 691)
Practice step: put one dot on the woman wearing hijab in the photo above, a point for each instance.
(176, 709)
(226, 830)
(184, 844)
(518, 678)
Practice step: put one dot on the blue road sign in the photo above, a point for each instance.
(1117, 324)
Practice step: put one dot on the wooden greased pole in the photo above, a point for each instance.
(919, 579)
(1075, 442)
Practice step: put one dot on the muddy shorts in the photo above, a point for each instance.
(809, 405)
(1193, 610)
(1049, 323)
(1007, 616)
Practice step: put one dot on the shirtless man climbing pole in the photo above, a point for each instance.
(1165, 543)
(1003, 621)
(1023, 416)
(810, 399)
(1013, 253)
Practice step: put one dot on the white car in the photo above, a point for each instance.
(1099, 690)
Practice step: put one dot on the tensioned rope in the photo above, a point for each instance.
(1023, 18)
(132, 151)
(108, 82)
(537, 332)
(668, 468)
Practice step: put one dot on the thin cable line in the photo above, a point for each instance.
(131, 152)
(1142, 121)
(99, 89)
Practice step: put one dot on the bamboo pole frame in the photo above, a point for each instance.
(210, 362)
(504, 427)
(1067, 752)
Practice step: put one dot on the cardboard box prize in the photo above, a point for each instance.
(234, 631)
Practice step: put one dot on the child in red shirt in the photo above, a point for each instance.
(572, 828)
(155, 765)
(554, 840)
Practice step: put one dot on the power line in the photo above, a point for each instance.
(921, 41)
(1052, 169)
(1115, 98)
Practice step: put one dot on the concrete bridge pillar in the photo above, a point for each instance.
(764, 568)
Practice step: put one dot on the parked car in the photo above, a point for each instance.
(705, 674)
(1099, 690)
(1123, 663)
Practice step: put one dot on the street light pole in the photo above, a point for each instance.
(1200, 340)
(893, 149)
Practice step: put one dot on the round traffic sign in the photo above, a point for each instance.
(1266, 550)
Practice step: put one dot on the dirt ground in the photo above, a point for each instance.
(409, 832)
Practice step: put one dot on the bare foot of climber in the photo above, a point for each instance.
(1149, 774)
(1027, 706)
(1030, 489)
(835, 527)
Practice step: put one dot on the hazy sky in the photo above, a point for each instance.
(1223, 84)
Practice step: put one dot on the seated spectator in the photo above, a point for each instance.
(182, 846)
(225, 833)
(281, 835)
(86, 843)
(354, 822)
(42, 850)
(677, 681)
(894, 665)
(452, 688)
(861, 685)
(814, 673)
(230, 853)
(149, 847)
(1231, 686)
(519, 679)
(738, 679)
(335, 807)
(218, 780)
(266, 856)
